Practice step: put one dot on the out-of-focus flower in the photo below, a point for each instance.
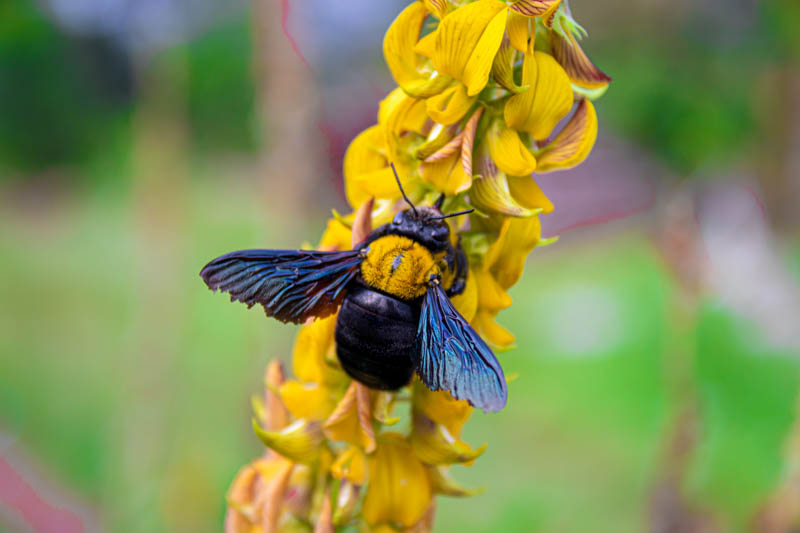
(489, 94)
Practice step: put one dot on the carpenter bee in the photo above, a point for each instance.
(393, 296)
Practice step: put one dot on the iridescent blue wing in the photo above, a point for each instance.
(450, 355)
(292, 285)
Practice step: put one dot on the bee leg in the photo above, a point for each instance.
(460, 281)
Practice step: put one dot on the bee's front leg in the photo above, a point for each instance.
(461, 268)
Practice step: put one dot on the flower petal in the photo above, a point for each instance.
(469, 141)
(508, 152)
(435, 445)
(311, 348)
(580, 69)
(521, 32)
(533, 8)
(525, 191)
(441, 407)
(300, 442)
(549, 99)
(494, 333)
(399, 45)
(503, 67)
(438, 137)
(351, 421)
(308, 400)
(442, 483)
(351, 465)
(399, 490)
(490, 191)
(521, 236)
(399, 42)
(467, 301)
(437, 8)
(573, 144)
(491, 295)
(476, 73)
(458, 37)
(365, 154)
(449, 106)
(336, 236)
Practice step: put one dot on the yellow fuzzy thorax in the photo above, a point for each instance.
(399, 266)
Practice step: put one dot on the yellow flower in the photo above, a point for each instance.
(467, 41)
(404, 61)
(399, 489)
(546, 102)
(573, 143)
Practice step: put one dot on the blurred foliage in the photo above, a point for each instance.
(59, 95)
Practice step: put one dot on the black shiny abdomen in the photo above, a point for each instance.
(375, 336)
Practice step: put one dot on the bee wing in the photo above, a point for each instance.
(292, 285)
(450, 355)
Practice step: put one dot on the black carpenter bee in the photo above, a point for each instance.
(393, 295)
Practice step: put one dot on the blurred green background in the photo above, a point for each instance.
(656, 351)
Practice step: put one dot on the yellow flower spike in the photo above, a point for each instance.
(309, 401)
(435, 445)
(351, 465)
(441, 407)
(493, 332)
(365, 155)
(580, 69)
(548, 100)
(399, 490)
(401, 58)
(522, 236)
(528, 194)
(467, 301)
(351, 421)
(314, 341)
(534, 8)
(451, 105)
(298, 442)
(503, 67)
(491, 295)
(437, 8)
(508, 152)
(467, 41)
(442, 483)
(521, 31)
(573, 144)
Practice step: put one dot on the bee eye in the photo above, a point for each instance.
(440, 234)
(398, 219)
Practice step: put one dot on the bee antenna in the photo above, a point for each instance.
(457, 213)
(400, 185)
(439, 202)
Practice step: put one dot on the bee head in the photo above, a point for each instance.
(424, 225)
